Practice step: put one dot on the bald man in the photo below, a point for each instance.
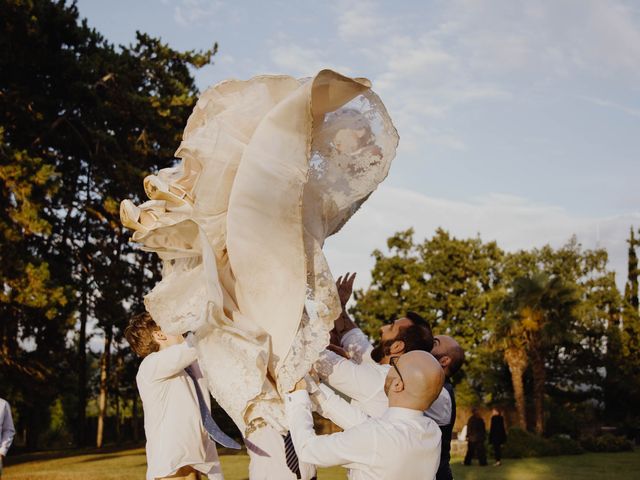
(450, 355)
(401, 444)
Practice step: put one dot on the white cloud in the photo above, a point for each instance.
(634, 112)
(359, 20)
(514, 222)
(196, 12)
(301, 61)
(435, 59)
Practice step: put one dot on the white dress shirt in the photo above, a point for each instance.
(7, 431)
(362, 379)
(402, 444)
(172, 422)
(273, 465)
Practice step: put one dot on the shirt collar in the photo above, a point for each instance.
(400, 412)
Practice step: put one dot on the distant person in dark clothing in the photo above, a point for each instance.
(476, 436)
(497, 435)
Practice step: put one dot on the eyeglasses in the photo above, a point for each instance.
(393, 361)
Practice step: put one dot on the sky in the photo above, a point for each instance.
(519, 121)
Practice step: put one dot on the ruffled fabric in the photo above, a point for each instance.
(270, 167)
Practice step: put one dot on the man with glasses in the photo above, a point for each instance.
(401, 444)
(358, 369)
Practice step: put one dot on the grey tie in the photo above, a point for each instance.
(209, 423)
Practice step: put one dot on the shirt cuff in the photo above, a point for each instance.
(351, 337)
(4, 451)
(190, 339)
(299, 396)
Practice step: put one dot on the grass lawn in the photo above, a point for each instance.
(130, 465)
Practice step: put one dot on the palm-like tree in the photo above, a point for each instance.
(536, 315)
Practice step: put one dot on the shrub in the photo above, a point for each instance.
(521, 444)
(607, 443)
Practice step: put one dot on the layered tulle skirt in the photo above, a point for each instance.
(269, 168)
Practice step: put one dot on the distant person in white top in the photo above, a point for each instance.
(7, 431)
(402, 444)
(178, 446)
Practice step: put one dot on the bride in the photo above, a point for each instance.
(270, 167)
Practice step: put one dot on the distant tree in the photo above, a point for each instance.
(444, 278)
(449, 281)
(622, 386)
(82, 123)
(529, 320)
(541, 313)
(631, 286)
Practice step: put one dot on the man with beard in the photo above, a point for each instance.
(401, 444)
(357, 369)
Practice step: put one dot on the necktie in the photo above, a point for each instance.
(292, 457)
(209, 423)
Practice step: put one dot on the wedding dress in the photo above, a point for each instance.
(270, 167)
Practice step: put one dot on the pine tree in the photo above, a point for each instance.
(81, 124)
(631, 286)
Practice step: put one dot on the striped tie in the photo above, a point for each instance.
(292, 457)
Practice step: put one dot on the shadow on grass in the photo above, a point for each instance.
(72, 452)
(95, 454)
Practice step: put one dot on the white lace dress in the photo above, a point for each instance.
(269, 168)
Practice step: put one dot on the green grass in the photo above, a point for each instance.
(130, 465)
(590, 466)
(115, 465)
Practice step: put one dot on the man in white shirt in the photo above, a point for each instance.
(361, 374)
(269, 460)
(357, 369)
(451, 357)
(402, 444)
(178, 445)
(354, 373)
(7, 431)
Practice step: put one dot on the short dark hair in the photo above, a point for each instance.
(417, 336)
(139, 334)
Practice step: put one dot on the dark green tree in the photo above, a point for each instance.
(82, 123)
(540, 313)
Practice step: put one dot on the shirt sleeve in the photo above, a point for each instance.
(356, 445)
(440, 409)
(359, 382)
(337, 409)
(169, 362)
(357, 345)
(8, 431)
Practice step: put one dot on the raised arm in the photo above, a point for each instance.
(357, 345)
(168, 362)
(359, 382)
(355, 445)
(338, 410)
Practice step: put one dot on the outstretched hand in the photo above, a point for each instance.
(345, 287)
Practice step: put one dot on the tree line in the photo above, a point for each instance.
(545, 330)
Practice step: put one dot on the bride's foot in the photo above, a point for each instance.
(156, 189)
